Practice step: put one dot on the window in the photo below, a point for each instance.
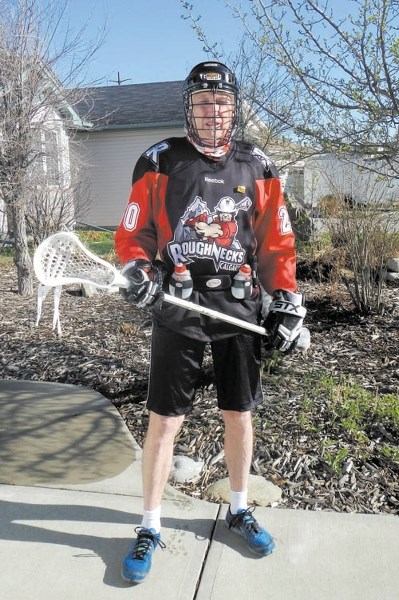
(46, 166)
(51, 158)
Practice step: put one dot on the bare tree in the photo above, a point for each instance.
(56, 199)
(31, 96)
(264, 89)
(339, 68)
(362, 218)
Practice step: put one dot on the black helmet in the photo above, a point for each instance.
(210, 75)
(215, 77)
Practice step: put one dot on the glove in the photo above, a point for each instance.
(284, 320)
(144, 282)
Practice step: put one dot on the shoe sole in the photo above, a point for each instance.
(132, 581)
(263, 553)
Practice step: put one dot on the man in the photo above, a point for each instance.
(184, 190)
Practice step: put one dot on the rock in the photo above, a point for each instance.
(185, 469)
(88, 290)
(260, 491)
(392, 276)
(304, 340)
(393, 265)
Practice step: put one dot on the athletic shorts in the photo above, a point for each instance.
(176, 362)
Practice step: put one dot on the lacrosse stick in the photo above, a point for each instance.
(62, 259)
(42, 292)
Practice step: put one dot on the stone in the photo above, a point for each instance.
(391, 276)
(185, 469)
(260, 491)
(88, 290)
(304, 340)
(393, 265)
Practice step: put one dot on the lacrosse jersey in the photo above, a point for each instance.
(213, 216)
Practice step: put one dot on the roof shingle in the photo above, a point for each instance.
(133, 106)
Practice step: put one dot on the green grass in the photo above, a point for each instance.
(345, 415)
(6, 258)
(99, 242)
(334, 454)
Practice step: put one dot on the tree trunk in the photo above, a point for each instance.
(22, 259)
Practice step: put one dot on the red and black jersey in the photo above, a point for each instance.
(213, 216)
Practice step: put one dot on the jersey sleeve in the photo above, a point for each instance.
(135, 237)
(275, 238)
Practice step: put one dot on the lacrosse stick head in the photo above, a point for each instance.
(62, 259)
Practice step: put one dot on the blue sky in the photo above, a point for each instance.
(147, 40)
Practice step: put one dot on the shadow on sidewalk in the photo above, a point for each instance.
(21, 522)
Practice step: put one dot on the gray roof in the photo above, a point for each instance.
(133, 106)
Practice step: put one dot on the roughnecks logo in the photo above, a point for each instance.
(202, 234)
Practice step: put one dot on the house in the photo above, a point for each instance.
(358, 180)
(51, 119)
(112, 126)
(126, 120)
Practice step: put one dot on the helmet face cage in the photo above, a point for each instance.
(216, 78)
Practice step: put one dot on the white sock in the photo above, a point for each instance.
(152, 519)
(238, 501)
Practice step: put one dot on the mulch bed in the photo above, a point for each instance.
(300, 443)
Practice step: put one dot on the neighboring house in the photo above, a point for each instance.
(322, 178)
(127, 120)
(50, 172)
(352, 179)
(114, 125)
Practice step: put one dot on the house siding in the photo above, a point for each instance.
(110, 157)
(331, 175)
(52, 144)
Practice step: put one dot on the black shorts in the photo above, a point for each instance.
(176, 362)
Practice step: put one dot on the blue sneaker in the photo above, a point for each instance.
(259, 541)
(137, 563)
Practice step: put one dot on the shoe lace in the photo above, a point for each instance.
(246, 520)
(143, 544)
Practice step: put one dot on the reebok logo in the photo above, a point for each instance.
(213, 180)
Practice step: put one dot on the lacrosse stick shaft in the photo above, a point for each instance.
(214, 314)
(54, 266)
(203, 310)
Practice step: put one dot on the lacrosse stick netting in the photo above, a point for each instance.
(62, 259)
(42, 292)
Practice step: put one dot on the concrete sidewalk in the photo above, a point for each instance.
(70, 497)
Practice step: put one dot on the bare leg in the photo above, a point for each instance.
(238, 446)
(156, 463)
(157, 456)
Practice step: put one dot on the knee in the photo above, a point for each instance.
(237, 420)
(164, 427)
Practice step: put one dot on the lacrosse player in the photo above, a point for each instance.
(212, 203)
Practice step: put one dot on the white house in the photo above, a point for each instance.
(51, 169)
(352, 179)
(114, 125)
(127, 120)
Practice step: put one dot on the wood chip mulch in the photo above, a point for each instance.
(322, 457)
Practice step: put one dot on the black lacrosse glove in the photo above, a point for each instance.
(145, 281)
(284, 321)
